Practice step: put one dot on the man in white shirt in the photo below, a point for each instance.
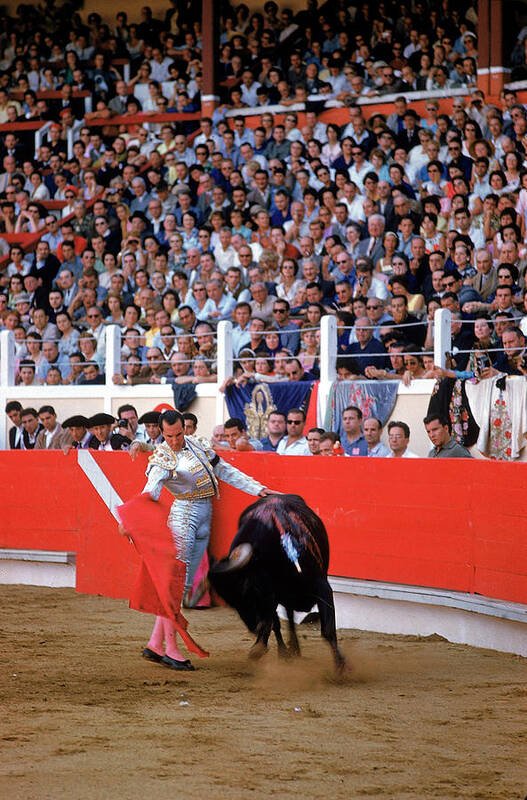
(372, 430)
(294, 442)
(360, 167)
(241, 336)
(398, 438)
(159, 66)
(97, 329)
(249, 87)
(224, 253)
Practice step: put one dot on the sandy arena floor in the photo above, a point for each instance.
(84, 717)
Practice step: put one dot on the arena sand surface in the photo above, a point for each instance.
(84, 717)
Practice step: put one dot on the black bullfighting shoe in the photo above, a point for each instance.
(151, 655)
(173, 663)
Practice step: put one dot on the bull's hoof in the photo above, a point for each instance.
(343, 668)
(283, 652)
(293, 649)
(258, 650)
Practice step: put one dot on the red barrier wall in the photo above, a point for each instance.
(451, 524)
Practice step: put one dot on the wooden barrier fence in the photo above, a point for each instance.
(451, 524)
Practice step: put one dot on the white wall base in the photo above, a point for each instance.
(411, 610)
(37, 568)
(57, 576)
(418, 619)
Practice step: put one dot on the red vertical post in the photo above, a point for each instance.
(209, 55)
(484, 57)
(499, 72)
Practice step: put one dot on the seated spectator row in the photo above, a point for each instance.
(285, 433)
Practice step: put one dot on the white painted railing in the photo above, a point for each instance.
(109, 392)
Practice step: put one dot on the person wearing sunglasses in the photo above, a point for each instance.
(294, 443)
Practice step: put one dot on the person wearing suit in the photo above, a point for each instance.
(119, 103)
(6, 177)
(386, 206)
(409, 136)
(13, 411)
(261, 195)
(485, 280)
(102, 437)
(52, 436)
(78, 428)
(32, 428)
(372, 245)
(45, 266)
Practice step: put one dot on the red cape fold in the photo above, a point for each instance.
(161, 580)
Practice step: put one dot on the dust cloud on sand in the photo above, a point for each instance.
(84, 717)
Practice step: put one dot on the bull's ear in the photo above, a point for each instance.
(238, 558)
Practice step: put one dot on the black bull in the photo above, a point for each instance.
(280, 555)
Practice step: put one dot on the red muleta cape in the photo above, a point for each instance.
(161, 580)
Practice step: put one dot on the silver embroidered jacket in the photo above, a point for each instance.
(192, 473)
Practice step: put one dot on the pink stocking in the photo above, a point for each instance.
(155, 642)
(170, 640)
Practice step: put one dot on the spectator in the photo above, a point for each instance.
(13, 411)
(367, 351)
(79, 433)
(237, 437)
(353, 441)
(32, 427)
(51, 356)
(276, 428)
(52, 435)
(102, 437)
(398, 439)
(294, 443)
(313, 440)
(289, 333)
(438, 430)
(372, 428)
(329, 444)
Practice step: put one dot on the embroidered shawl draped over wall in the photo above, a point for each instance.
(375, 399)
(499, 406)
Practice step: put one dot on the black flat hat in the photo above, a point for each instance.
(149, 416)
(100, 419)
(77, 421)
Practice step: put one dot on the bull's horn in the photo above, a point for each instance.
(238, 558)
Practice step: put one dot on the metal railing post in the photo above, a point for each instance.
(113, 353)
(39, 134)
(70, 142)
(442, 336)
(328, 361)
(328, 348)
(7, 358)
(225, 362)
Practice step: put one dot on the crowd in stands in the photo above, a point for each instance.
(286, 434)
(166, 228)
